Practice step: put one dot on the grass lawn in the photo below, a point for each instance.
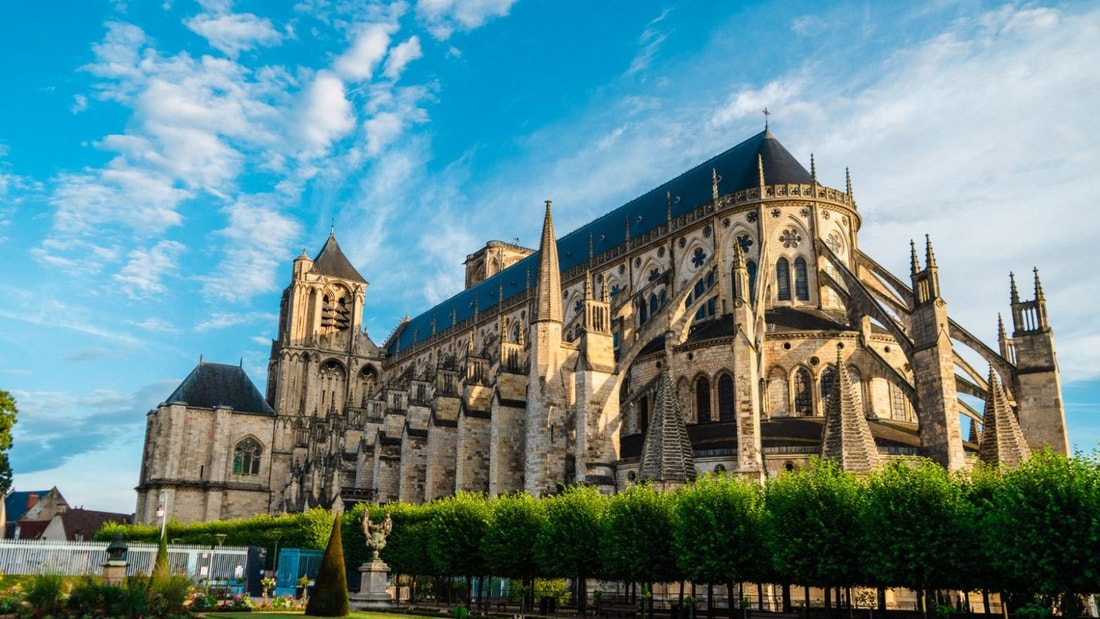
(353, 615)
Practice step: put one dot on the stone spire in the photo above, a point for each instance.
(847, 437)
(666, 453)
(1003, 441)
(548, 277)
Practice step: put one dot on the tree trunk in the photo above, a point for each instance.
(985, 602)
(786, 587)
(710, 601)
(880, 593)
(760, 596)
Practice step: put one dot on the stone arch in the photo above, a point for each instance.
(333, 385)
(779, 396)
(701, 400)
(694, 256)
(802, 392)
(642, 274)
(247, 455)
(727, 400)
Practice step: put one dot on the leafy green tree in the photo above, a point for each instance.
(456, 531)
(980, 568)
(637, 538)
(1045, 529)
(567, 547)
(406, 550)
(330, 589)
(717, 535)
(514, 520)
(913, 525)
(8, 412)
(810, 518)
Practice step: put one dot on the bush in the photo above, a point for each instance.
(330, 593)
(46, 593)
(167, 594)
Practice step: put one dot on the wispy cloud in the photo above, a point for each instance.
(257, 239)
(232, 33)
(651, 41)
(444, 17)
(146, 267)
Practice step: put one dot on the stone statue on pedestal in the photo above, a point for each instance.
(376, 534)
(374, 574)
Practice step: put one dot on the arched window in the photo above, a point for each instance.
(801, 284)
(725, 398)
(828, 383)
(654, 304)
(803, 393)
(515, 332)
(246, 457)
(783, 279)
(750, 266)
(702, 399)
(643, 315)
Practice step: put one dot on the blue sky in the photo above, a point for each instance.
(161, 163)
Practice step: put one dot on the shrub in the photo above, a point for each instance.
(46, 593)
(330, 591)
(167, 594)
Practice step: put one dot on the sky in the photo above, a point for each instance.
(162, 163)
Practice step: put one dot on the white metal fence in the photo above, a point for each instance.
(79, 558)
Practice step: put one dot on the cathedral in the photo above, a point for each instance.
(724, 322)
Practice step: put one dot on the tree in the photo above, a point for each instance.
(1045, 529)
(717, 534)
(913, 525)
(8, 411)
(456, 530)
(515, 519)
(568, 546)
(811, 517)
(637, 539)
(330, 589)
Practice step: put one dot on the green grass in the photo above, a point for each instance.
(265, 615)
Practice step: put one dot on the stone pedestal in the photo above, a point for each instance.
(114, 572)
(372, 587)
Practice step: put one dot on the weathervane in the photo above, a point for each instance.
(766, 115)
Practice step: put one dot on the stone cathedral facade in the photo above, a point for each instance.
(725, 321)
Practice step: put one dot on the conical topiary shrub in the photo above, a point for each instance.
(160, 564)
(330, 589)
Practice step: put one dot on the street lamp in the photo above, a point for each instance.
(162, 513)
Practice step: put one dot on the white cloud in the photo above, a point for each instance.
(381, 130)
(146, 268)
(234, 33)
(444, 17)
(80, 103)
(401, 55)
(257, 238)
(326, 115)
(368, 50)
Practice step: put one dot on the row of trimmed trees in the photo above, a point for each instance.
(1031, 534)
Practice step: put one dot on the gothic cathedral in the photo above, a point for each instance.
(724, 322)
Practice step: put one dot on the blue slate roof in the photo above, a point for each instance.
(737, 168)
(211, 385)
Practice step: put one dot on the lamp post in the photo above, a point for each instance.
(162, 513)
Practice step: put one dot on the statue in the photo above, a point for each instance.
(376, 534)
